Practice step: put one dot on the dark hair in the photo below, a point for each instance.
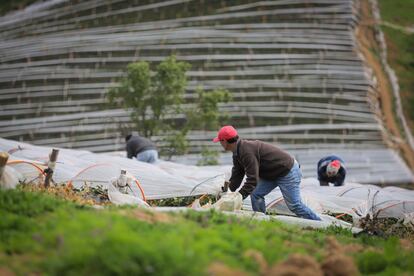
(128, 137)
(233, 140)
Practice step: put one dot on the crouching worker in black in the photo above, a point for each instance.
(142, 148)
(331, 169)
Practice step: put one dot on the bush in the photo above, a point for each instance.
(371, 262)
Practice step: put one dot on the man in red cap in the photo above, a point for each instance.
(331, 169)
(266, 167)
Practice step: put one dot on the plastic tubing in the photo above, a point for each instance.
(27, 162)
(87, 168)
(395, 204)
(141, 190)
(274, 202)
(103, 164)
(200, 198)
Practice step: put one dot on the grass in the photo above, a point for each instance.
(43, 234)
(400, 48)
(397, 11)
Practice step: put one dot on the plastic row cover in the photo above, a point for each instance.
(167, 179)
(77, 168)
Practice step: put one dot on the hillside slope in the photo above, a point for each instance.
(293, 68)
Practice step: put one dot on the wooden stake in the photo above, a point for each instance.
(51, 167)
(4, 156)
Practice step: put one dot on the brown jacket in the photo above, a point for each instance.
(257, 159)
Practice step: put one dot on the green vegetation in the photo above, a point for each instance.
(41, 234)
(400, 47)
(151, 97)
(182, 201)
(154, 98)
(397, 11)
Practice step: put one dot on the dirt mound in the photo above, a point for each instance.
(296, 264)
(219, 269)
(148, 216)
(6, 272)
(336, 263)
(260, 260)
(339, 265)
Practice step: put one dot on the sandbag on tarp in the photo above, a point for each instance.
(118, 198)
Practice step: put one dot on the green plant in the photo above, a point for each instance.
(205, 115)
(153, 98)
(399, 47)
(208, 157)
(372, 262)
(40, 234)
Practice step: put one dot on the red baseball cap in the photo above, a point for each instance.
(333, 167)
(336, 164)
(225, 133)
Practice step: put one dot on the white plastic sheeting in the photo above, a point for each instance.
(326, 221)
(163, 180)
(352, 199)
(10, 178)
(167, 179)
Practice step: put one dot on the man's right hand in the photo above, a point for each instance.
(323, 183)
(225, 187)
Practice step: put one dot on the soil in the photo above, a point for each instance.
(296, 264)
(336, 262)
(6, 272)
(365, 34)
(220, 269)
(148, 216)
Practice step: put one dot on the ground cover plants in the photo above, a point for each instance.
(44, 234)
(397, 20)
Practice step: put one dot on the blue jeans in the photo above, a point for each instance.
(290, 187)
(149, 156)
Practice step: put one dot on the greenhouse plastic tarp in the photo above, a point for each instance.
(167, 179)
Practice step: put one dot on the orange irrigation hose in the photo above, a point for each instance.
(201, 197)
(273, 203)
(87, 168)
(395, 204)
(26, 162)
(69, 184)
(102, 164)
(341, 215)
(142, 190)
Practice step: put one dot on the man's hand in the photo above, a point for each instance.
(323, 183)
(225, 187)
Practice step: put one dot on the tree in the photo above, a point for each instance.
(151, 97)
(154, 97)
(205, 115)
